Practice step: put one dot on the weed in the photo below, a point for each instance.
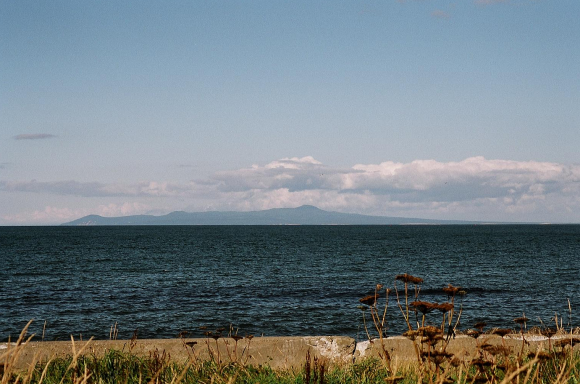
(492, 364)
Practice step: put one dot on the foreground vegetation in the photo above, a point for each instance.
(123, 367)
(558, 363)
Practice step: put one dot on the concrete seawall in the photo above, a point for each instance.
(277, 352)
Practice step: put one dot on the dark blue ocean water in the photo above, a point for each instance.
(274, 280)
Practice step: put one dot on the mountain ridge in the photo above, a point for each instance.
(303, 215)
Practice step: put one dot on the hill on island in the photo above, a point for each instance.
(304, 215)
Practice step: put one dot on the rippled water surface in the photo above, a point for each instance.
(274, 280)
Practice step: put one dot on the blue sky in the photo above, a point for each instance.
(418, 108)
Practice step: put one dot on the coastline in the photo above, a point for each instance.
(276, 352)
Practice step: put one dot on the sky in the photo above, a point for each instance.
(463, 109)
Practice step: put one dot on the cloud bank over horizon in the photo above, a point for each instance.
(472, 189)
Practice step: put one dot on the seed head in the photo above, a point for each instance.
(437, 357)
(472, 333)
(548, 332)
(521, 320)
(502, 331)
(496, 349)
(430, 331)
(406, 278)
(445, 307)
(369, 300)
(480, 363)
(450, 290)
(424, 307)
(540, 355)
(433, 340)
(484, 345)
(480, 325)
(411, 335)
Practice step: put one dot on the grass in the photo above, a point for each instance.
(126, 368)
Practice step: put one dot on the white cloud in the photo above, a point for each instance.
(293, 163)
(473, 189)
(475, 186)
(416, 176)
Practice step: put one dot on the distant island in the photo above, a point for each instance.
(304, 215)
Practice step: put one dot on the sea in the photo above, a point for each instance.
(171, 281)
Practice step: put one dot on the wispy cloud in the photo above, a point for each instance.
(489, 2)
(473, 189)
(439, 14)
(96, 189)
(34, 136)
(69, 187)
